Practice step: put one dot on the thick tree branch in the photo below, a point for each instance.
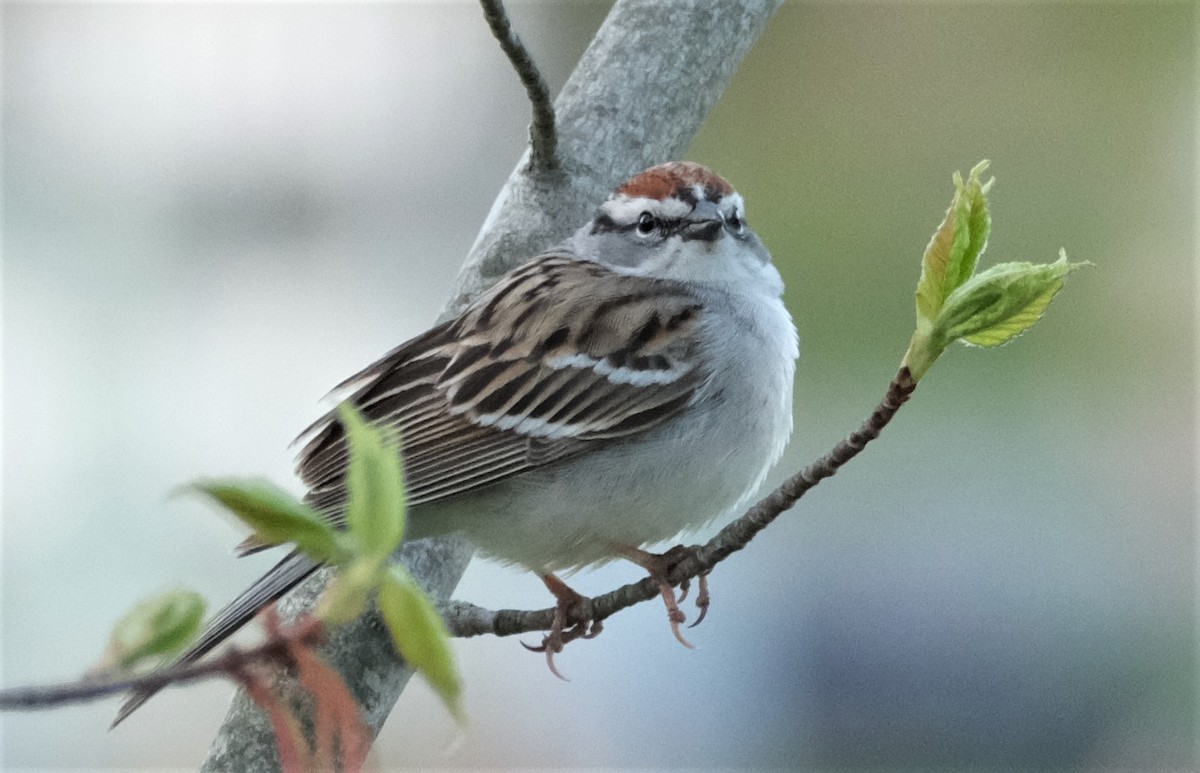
(636, 98)
(543, 138)
(469, 620)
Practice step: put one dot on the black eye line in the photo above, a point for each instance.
(665, 227)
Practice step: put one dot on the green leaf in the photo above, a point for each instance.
(979, 221)
(420, 636)
(1004, 301)
(953, 252)
(375, 481)
(276, 516)
(349, 590)
(155, 627)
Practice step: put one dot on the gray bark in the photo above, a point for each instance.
(637, 97)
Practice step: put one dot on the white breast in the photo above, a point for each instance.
(680, 476)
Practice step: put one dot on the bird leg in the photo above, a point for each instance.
(568, 603)
(659, 566)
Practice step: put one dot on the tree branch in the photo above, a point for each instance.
(466, 619)
(276, 649)
(636, 98)
(543, 139)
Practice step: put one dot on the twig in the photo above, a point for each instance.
(466, 619)
(231, 664)
(543, 136)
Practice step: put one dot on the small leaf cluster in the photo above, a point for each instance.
(154, 628)
(375, 521)
(956, 304)
(361, 553)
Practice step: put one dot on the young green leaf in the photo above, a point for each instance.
(155, 627)
(276, 516)
(999, 304)
(349, 590)
(953, 252)
(375, 481)
(954, 303)
(979, 221)
(420, 636)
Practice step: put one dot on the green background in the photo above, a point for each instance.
(213, 213)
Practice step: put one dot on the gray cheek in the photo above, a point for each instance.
(757, 248)
(619, 249)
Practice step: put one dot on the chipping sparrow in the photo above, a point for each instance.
(613, 392)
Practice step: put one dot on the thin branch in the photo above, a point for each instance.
(466, 619)
(543, 136)
(230, 664)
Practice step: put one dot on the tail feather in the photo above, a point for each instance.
(284, 576)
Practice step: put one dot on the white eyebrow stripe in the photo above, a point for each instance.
(621, 375)
(625, 209)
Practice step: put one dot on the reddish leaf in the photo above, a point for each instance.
(336, 713)
(294, 756)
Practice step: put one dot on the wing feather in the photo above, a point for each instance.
(563, 356)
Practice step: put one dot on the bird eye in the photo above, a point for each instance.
(646, 224)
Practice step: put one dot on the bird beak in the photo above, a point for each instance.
(705, 222)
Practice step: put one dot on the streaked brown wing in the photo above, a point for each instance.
(561, 357)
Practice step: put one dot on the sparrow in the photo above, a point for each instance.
(627, 386)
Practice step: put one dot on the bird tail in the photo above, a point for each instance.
(284, 576)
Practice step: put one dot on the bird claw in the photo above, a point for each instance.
(551, 645)
(674, 613)
(553, 642)
(659, 565)
(550, 648)
(702, 601)
(568, 602)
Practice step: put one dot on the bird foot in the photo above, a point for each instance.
(569, 603)
(659, 565)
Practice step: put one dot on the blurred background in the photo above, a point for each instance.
(215, 212)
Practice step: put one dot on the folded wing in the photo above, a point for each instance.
(560, 358)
